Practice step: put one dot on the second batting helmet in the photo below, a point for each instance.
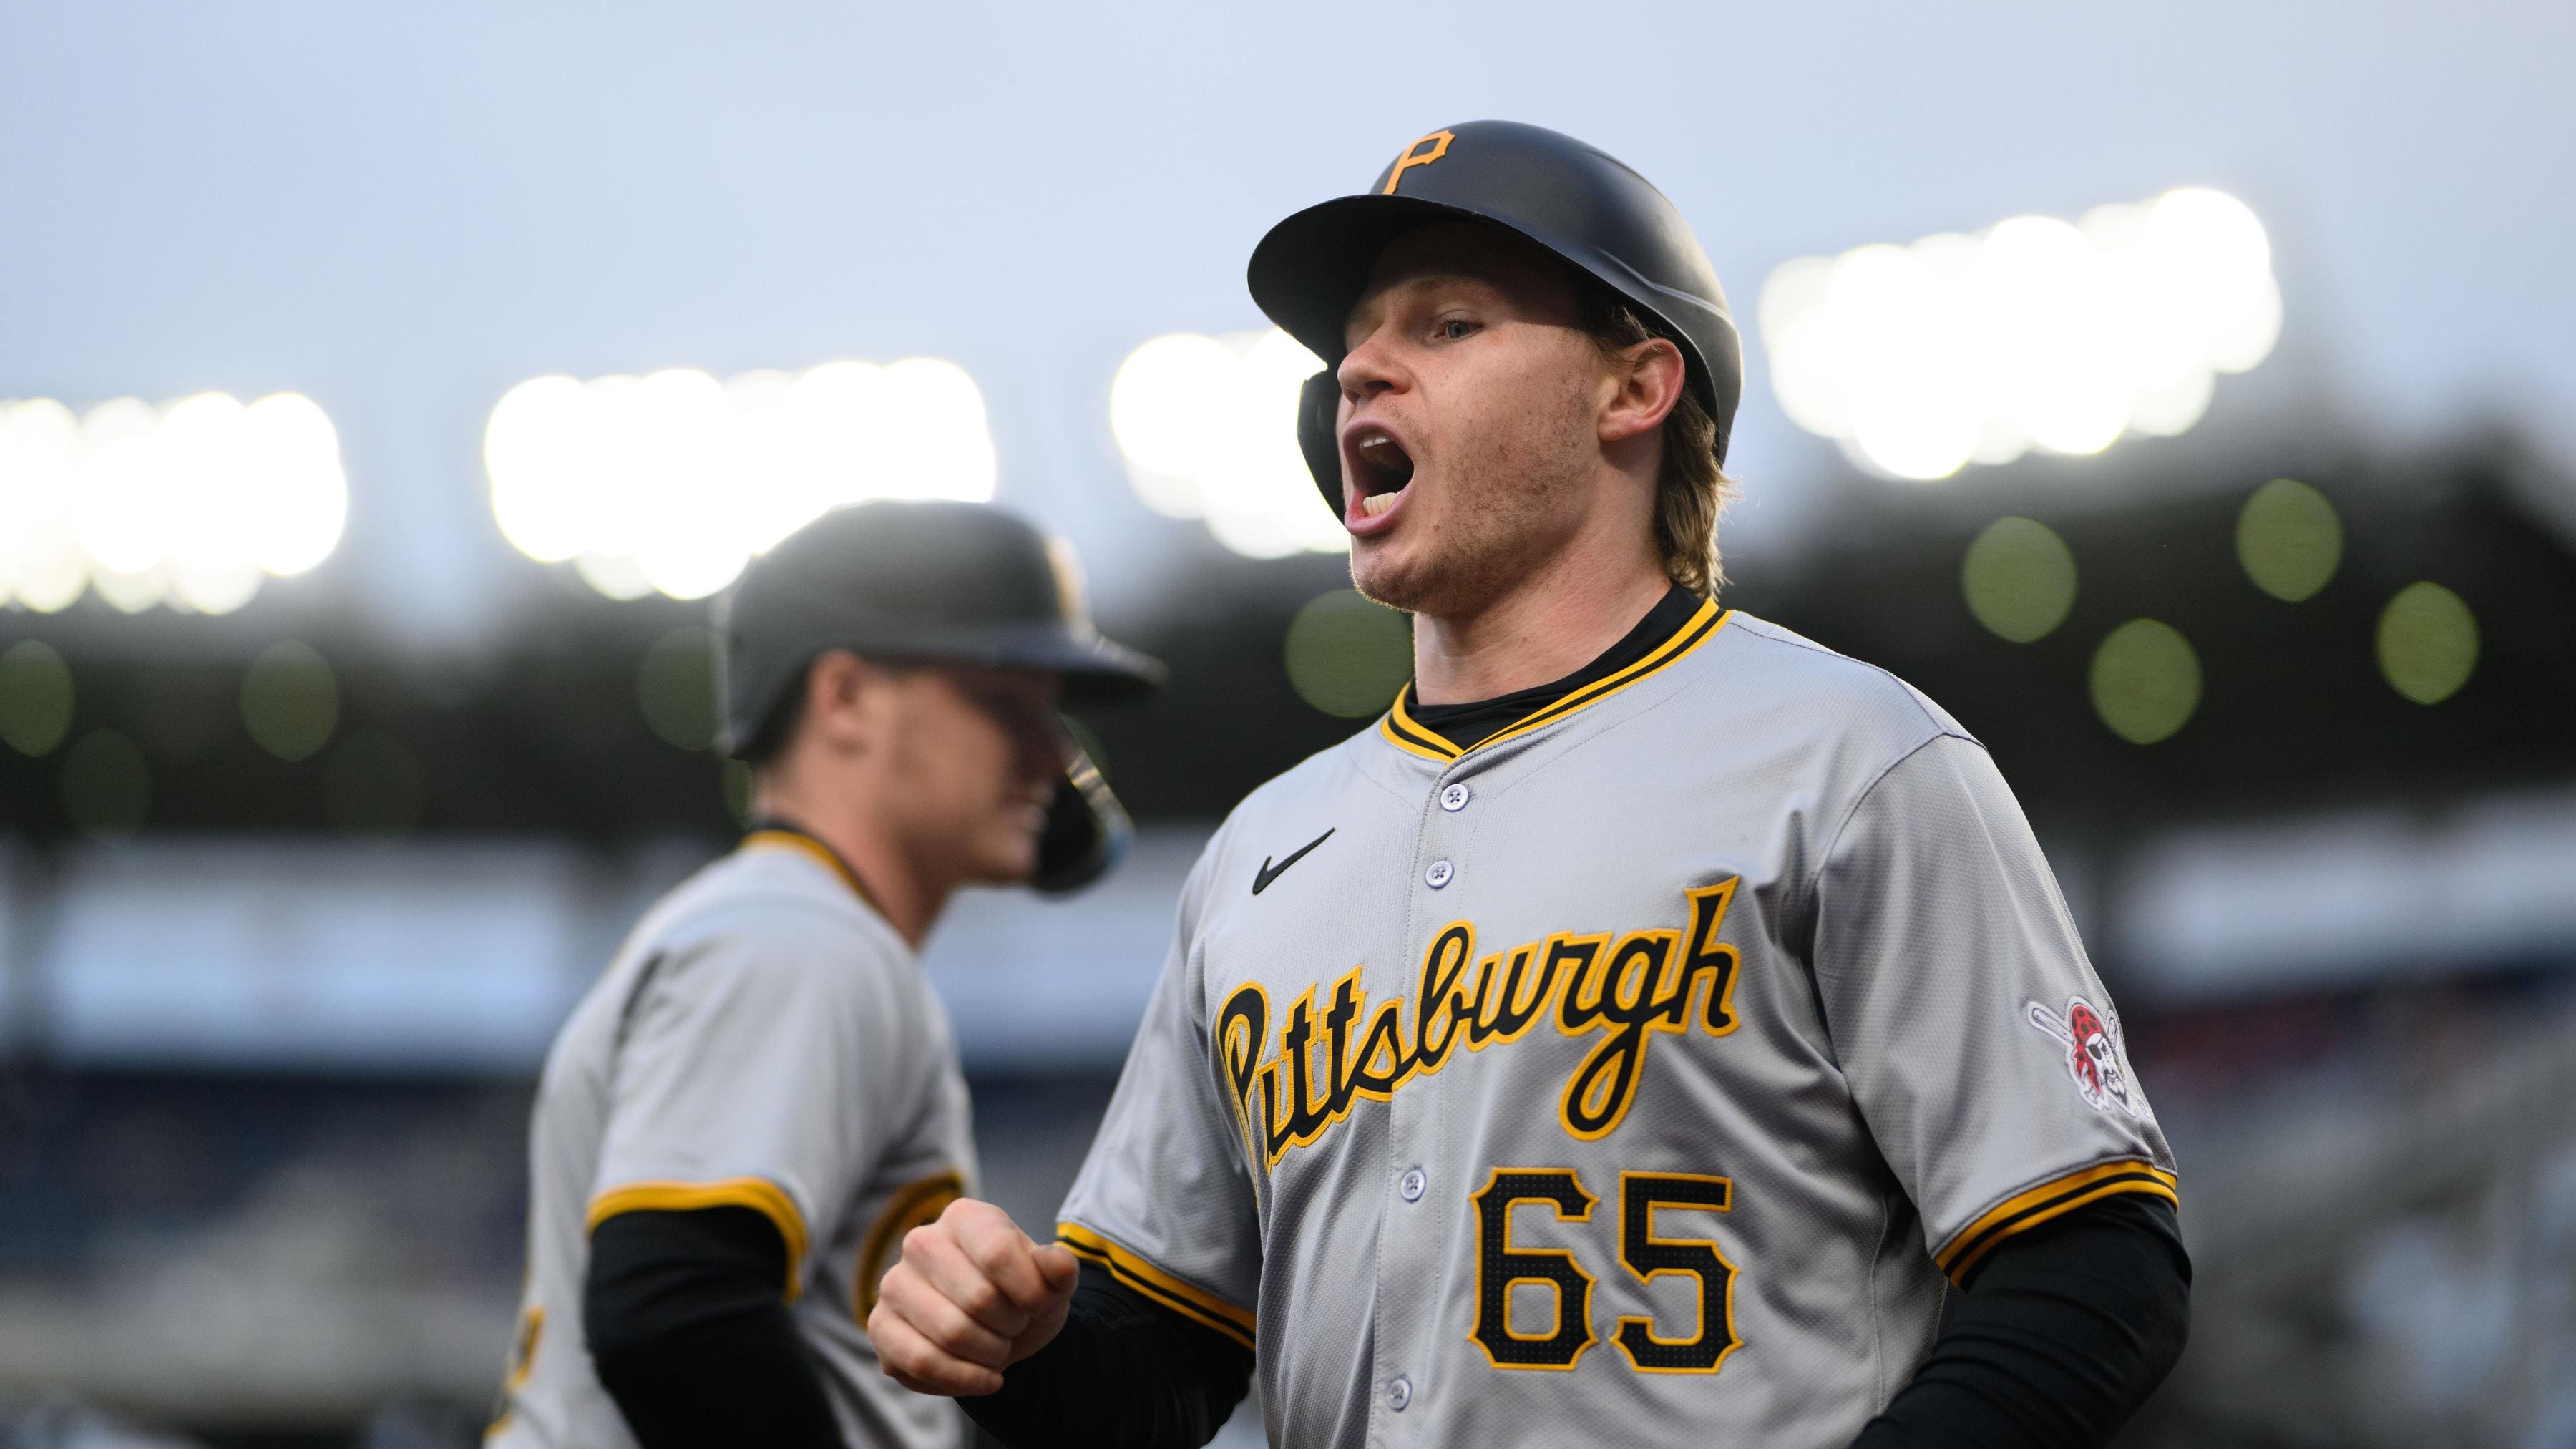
(930, 583)
(1584, 205)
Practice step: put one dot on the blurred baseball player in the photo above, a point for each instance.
(1635, 1035)
(760, 1095)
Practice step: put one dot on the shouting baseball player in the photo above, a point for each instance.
(1638, 1033)
(761, 1095)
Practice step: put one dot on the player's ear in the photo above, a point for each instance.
(1646, 382)
(843, 698)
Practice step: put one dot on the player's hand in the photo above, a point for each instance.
(972, 1296)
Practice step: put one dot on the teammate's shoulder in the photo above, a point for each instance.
(1780, 666)
(772, 908)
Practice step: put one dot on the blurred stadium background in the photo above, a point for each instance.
(2179, 398)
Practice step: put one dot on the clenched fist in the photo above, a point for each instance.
(972, 1296)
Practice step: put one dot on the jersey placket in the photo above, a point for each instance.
(1421, 1203)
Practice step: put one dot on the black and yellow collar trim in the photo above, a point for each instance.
(1406, 733)
(776, 835)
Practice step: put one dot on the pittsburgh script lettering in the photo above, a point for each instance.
(1621, 991)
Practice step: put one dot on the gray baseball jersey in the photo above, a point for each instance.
(765, 1040)
(1636, 1074)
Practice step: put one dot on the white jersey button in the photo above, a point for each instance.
(1412, 1185)
(1399, 1392)
(1439, 874)
(1455, 797)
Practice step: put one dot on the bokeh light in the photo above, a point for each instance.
(2039, 333)
(192, 505)
(1347, 656)
(290, 700)
(372, 785)
(107, 787)
(1208, 426)
(676, 687)
(2019, 578)
(2428, 643)
(2289, 539)
(2146, 681)
(672, 482)
(35, 697)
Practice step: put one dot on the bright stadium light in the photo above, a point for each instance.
(1208, 426)
(671, 482)
(191, 505)
(2036, 333)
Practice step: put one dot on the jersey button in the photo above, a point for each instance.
(1412, 1184)
(1454, 798)
(1399, 1392)
(1439, 874)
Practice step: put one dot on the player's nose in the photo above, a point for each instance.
(1370, 368)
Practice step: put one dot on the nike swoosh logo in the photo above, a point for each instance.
(1262, 878)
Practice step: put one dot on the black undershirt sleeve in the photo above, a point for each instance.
(1125, 1372)
(688, 1327)
(2062, 1333)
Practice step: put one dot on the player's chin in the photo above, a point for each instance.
(1388, 570)
(1007, 854)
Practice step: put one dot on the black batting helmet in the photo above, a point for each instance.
(930, 582)
(1584, 205)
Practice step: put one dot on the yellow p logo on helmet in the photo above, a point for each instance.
(1414, 156)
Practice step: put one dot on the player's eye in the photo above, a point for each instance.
(1456, 328)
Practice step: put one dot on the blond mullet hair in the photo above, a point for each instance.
(1691, 489)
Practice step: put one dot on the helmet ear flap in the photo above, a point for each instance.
(1319, 404)
(1086, 831)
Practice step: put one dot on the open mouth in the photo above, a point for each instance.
(1378, 468)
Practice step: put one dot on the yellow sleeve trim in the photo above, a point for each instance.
(2026, 1210)
(1196, 1304)
(757, 1193)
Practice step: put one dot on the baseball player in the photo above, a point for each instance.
(761, 1094)
(1645, 1030)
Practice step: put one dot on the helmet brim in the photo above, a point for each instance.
(1310, 270)
(1094, 670)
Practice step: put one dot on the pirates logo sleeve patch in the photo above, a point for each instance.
(2091, 1049)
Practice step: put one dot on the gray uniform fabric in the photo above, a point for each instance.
(1635, 1074)
(763, 1039)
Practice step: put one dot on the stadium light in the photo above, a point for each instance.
(191, 505)
(1208, 429)
(672, 482)
(2035, 333)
